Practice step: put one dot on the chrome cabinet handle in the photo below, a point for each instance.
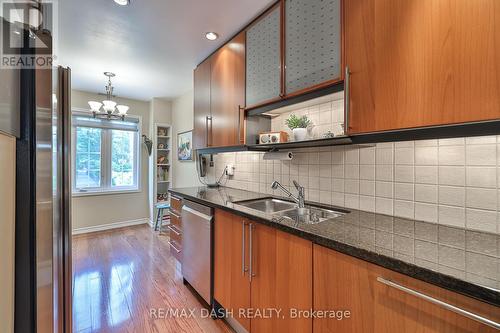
(206, 131)
(174, 214)
(440, 303)
(173, 246)
(240, 109)
(174, 230)
(347, 79)
(243, 255)
(250, 249)
(211, 131)
(207, 134)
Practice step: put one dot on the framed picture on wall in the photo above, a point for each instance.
(185, 146)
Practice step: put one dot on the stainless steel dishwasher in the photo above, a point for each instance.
(197, 221)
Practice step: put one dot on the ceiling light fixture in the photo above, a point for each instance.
(111, 110)
(122, 2)
(211, 35)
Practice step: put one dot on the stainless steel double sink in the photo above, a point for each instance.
(309, 214)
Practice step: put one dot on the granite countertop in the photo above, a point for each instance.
(464, 261)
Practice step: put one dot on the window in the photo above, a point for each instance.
(105, 154)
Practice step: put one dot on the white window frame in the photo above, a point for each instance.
(106, 169)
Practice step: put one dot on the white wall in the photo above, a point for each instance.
(99, 210)
(7, 228)
(160, 111)
(184, 173)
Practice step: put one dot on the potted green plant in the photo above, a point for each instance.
(298, 125)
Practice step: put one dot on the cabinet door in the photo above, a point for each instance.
(263, 59)
(420, 63)
(281, 279)
(343, 283)
(201, 105)
(231, 280)
(313, 44)
(228, 93)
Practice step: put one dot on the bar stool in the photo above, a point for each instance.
(161, 206)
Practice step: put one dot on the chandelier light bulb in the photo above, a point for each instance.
(95, 106)
(109, 106)
(122, 109)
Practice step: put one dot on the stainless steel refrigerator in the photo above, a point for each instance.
(43, 203)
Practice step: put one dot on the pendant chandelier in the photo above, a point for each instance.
(110, 111)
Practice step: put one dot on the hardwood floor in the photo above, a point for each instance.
(121, 277)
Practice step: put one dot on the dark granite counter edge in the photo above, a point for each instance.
(441, 280)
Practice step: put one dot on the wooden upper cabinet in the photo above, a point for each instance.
(201, 105)
(342, 282)
(227, 93)
(263, 59)
(313, 44)
(420, 63)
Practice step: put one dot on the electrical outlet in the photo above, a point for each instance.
(230, 170)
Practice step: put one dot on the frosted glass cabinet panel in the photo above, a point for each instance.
(313, 43)
(263, 72)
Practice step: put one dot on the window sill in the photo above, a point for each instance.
(111, 192)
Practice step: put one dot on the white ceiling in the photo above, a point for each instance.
(151, 45)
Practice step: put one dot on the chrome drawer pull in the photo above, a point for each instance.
(175, 215)
(250, 249)
(442, 304)
(173, 246)
(243, 255)
(173, 230)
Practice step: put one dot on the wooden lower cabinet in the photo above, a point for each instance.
(231, 282)
(281, 280)
(175, 228)
(344, 283)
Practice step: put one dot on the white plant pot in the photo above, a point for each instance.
(299, 134)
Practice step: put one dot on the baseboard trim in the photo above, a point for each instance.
(109, 226)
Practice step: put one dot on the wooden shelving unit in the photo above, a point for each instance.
(162, 159)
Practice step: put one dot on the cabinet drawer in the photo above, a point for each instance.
(175, 219)
(378, 300)
(175, 234)
(176, 205)
(175, 250)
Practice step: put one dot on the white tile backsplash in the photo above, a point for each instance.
(426, 174)
(452, 216)
(452, 155)
(481, 198)
(426, 155)
(404, 191)
(451, 195)
(482, 177)
(481, 155)
(454, 182)
(451, 175)
(426, 193)
(404, 174)
(426, 212)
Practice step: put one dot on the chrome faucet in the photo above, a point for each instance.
(300, 199)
